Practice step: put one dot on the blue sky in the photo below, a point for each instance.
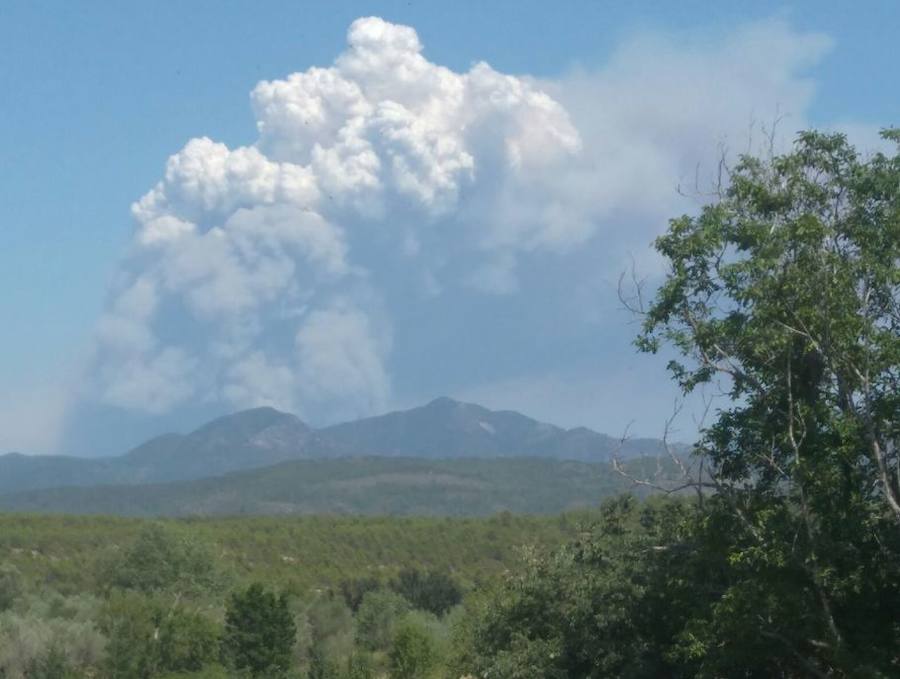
(438, 284)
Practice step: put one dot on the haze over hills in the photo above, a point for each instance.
(262, 437)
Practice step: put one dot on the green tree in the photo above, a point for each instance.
(359, 666)
(353, 590)
(786, 561)
(149, 635)
(259, 632)
(159, 559)
(433, 591)
(377, 617)
(413, 652)
(53, 664)
(788, 288)
(605, 605)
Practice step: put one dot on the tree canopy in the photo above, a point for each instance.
(783, 292)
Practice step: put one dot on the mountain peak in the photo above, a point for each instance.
(246, 423)
(442, 402)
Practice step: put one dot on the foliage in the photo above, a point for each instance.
(159, 560)
(150, 635)
(789, 287)
(52, 664)
(10, 586)
(78, 554)
(591, 609)
(353, 590)
(433, 591)
(359, 666)
(787, 562)
(259, 632)
(377, 618)
(413, 652)
(50, 633)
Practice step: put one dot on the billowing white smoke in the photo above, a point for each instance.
(391, 201)
(251, 277)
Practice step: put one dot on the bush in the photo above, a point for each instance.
(52, 664)
(160, 560)
(259, 632)
(413, 653)
(355, 589)
(10, 586)
(377, 618)
(433, 591)
(148, 636)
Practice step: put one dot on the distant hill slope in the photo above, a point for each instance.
(262, 437)
(445, 428)
(368, 486)
(246, 440)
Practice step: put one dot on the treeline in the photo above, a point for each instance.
(164, 606)
(154, 600)
(119, 598)
(295, 553)
(142, 600)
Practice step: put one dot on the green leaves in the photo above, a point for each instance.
(259, 632)
(788, 288)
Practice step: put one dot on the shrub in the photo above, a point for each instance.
(259, 632)
(413, 653)
(10, 586)
(377, 618)
(433, 591)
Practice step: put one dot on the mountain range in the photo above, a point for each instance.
(266, 444)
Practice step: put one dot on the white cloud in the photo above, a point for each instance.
(341, 359)
(385, 178)
(150, 382)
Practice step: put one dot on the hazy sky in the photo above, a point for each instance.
(342, 208)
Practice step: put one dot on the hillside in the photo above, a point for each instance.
(367, 486)
(262, 437)
(445, 428)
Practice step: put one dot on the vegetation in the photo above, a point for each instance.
(374, 486)
(772, 551)
(788, 562)
(259, 632)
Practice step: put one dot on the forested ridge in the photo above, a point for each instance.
(364, 486)
(771, 550)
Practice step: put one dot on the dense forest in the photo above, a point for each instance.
(773, 550)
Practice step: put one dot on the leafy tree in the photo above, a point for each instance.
(377, 617)
(605, 605)
(413, 652)
(353, 590)
(359, 666)
(788, 288)
(160, 560)
(52, 664)
(787, 561)
(188, 641)
(330, 631)
(148, 636)
(433, 591)
(320, 665)
(259, 632)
